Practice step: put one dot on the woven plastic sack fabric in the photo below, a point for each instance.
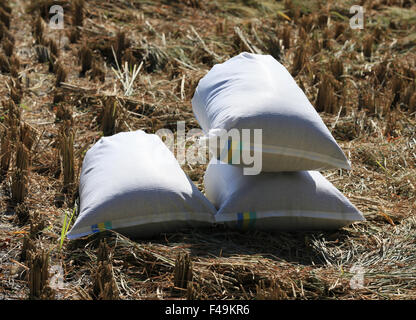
(283, 201)
(132, 183)
(252, 91)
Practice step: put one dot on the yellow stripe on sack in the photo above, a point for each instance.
(101, 226)
(246, 220)
(230, 152)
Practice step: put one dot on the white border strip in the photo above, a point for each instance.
(75, 233)
(347, 216)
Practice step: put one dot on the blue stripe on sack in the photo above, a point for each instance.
(240, 220)
(107, 225)
(94, 228)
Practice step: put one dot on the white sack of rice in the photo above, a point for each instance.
(282, 201)
(132, 183)
(252, 91)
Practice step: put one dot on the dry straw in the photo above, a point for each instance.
(20, 177)
(39, 276)
(104, 284)
(86, 59)
(66, 144)
(78, 12)
(6, 153)
(4, 63)
(61, 74)
(5, 17)
(326, 100)
(8, 46)
(182, 273)
(109, 116)
(38, 30)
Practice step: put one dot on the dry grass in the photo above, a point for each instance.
(22, 214)
(326, 99)
(4, 63)
(42, 53)
(39, 276)
(66, 144)
(38, 29)
(74, 35)
(61, 73)
(8, 46)
(361, 81)
(5, 17)
(97, 73)
(20, 177)
(86, 60)
(104, 284)
(78, 12)
(53, 48)
(182, 273)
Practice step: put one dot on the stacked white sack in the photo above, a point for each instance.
(303, 200)
(252, 91)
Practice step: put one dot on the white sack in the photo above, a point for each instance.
(132, 183)
(285, 201)
(252, 91)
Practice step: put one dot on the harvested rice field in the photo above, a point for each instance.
(63, 88)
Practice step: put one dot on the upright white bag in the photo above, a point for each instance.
(283, 201)
(252, 91)
(132, 183)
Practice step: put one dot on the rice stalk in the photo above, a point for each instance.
(4, 63)
(86, 59)
(109, 116)
(182, 272)
(66, 143)
(20, 177)
(368, 46)
(8, 47)
(38, 30)
(325, 100)
(299, 60)
(27, 135)
(6, 152)
(53, 47)
(61, 74)
(42, 53)
(5, 17)
(22, 213)
(104, 284)
(39, 276)
(78, 12)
